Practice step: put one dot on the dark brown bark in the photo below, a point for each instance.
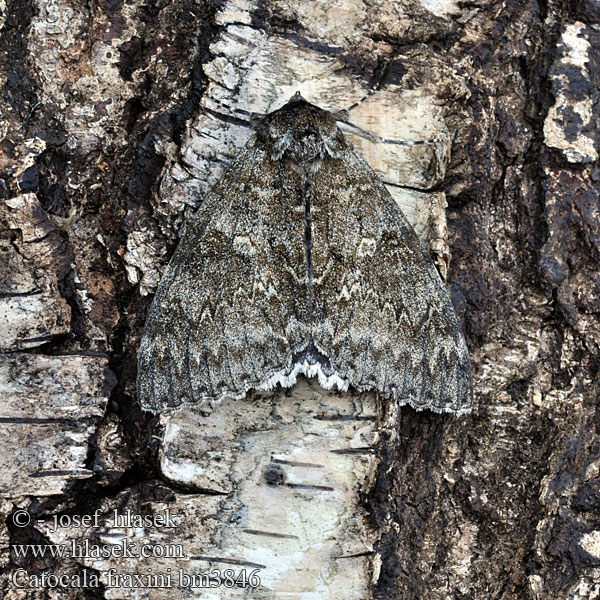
(116, 117)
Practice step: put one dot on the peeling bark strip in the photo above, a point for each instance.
(49, 407)
(32, 310)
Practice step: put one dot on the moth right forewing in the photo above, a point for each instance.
(386, 321)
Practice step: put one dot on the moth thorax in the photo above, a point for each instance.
(303, 134)
(305, 148)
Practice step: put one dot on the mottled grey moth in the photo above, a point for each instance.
(300, 261)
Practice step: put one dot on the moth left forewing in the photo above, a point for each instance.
(382, 314)
(231, 309)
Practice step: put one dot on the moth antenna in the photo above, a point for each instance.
(359, 102)
(376, 139)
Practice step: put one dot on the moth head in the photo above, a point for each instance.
(302, 133)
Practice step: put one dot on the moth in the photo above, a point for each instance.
(300, 261)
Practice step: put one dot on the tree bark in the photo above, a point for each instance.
(117, 117)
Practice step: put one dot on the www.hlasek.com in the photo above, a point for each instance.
(246, 575)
